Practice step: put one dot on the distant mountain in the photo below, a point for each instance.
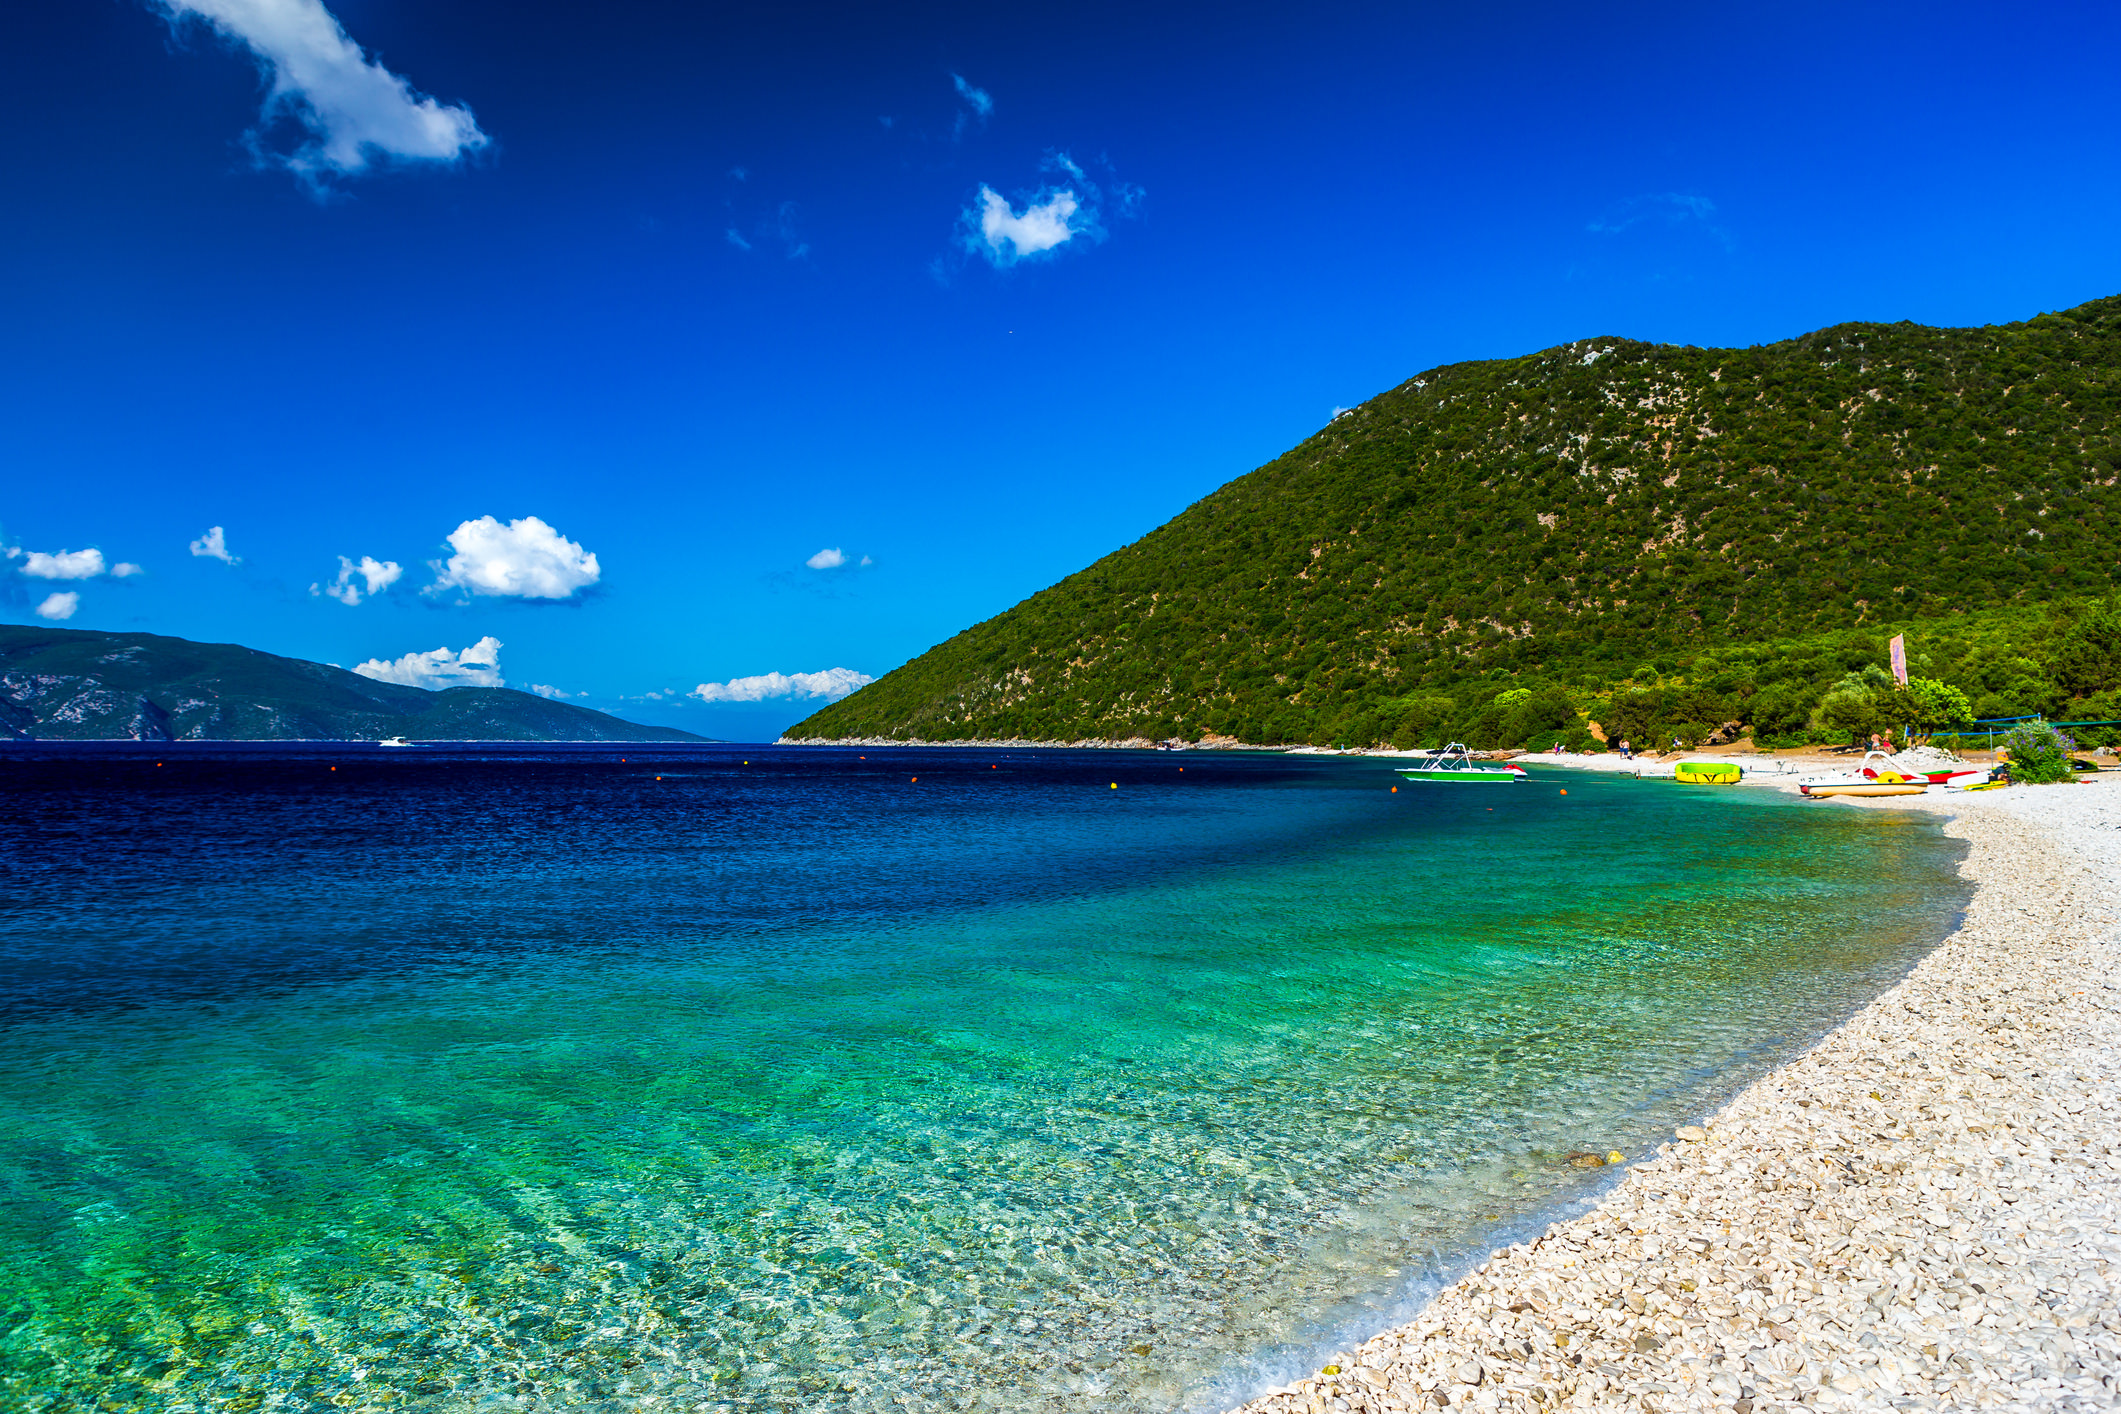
(1570, 516)
(60, 684)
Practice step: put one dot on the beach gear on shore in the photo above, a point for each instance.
(1867, 788)
(1713, 773)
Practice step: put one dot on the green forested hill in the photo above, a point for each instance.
(60, 684)
(1597, 515)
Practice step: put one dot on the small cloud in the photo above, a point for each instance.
(213, 545)
(832, 684)
(739, 174)
(524, 559)
(1052, 216)
(780, 229)
(1005, 237)
(67, 564)
(126, 570)
(1667, 209)
(979, 107)
(349, 110)
(543, 689)
(59, 606)
(978, 100)
(476, 666)
(830, 559)
(376, 575)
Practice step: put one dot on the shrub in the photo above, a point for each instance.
(2039, 753)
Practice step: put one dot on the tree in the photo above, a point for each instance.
(2084, 653)
(1926, 704)
(1857, 703)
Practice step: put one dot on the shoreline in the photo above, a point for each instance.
(1922, 1210)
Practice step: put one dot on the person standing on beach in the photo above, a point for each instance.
(1627, 753)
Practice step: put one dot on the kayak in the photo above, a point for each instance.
(1875, 770)
(1710, 773)
(1902, 787)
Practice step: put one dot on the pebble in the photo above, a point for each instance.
(1923, 1211)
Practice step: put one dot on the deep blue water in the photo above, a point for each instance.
(810, 1079)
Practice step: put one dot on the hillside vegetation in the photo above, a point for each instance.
(1600, 519)
(61, 684)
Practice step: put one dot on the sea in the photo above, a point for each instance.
(755, 1078)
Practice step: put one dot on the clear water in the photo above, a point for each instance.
(774, 1080)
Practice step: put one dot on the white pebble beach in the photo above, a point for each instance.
(1922, 1211)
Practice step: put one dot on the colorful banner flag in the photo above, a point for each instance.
(1899, 649)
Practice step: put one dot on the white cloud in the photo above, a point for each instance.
(556, 694)
(476, 666)
(1054, 215)
(1669, 208)
(67, 564)
(70, 564)
(213, 545)
(833, 557)
(378, 575)
(833, 683)
(1004, 237)
(524, 559)
(59, 606)
(978, 100)
(351, 109)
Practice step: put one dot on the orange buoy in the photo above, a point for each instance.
(1395, 790)
(1564, 792)
(916, 780)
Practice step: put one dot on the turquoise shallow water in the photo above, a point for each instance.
(786, 1081)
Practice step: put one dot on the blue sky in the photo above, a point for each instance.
(487, 292)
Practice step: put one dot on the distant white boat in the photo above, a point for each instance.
(394, 741)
